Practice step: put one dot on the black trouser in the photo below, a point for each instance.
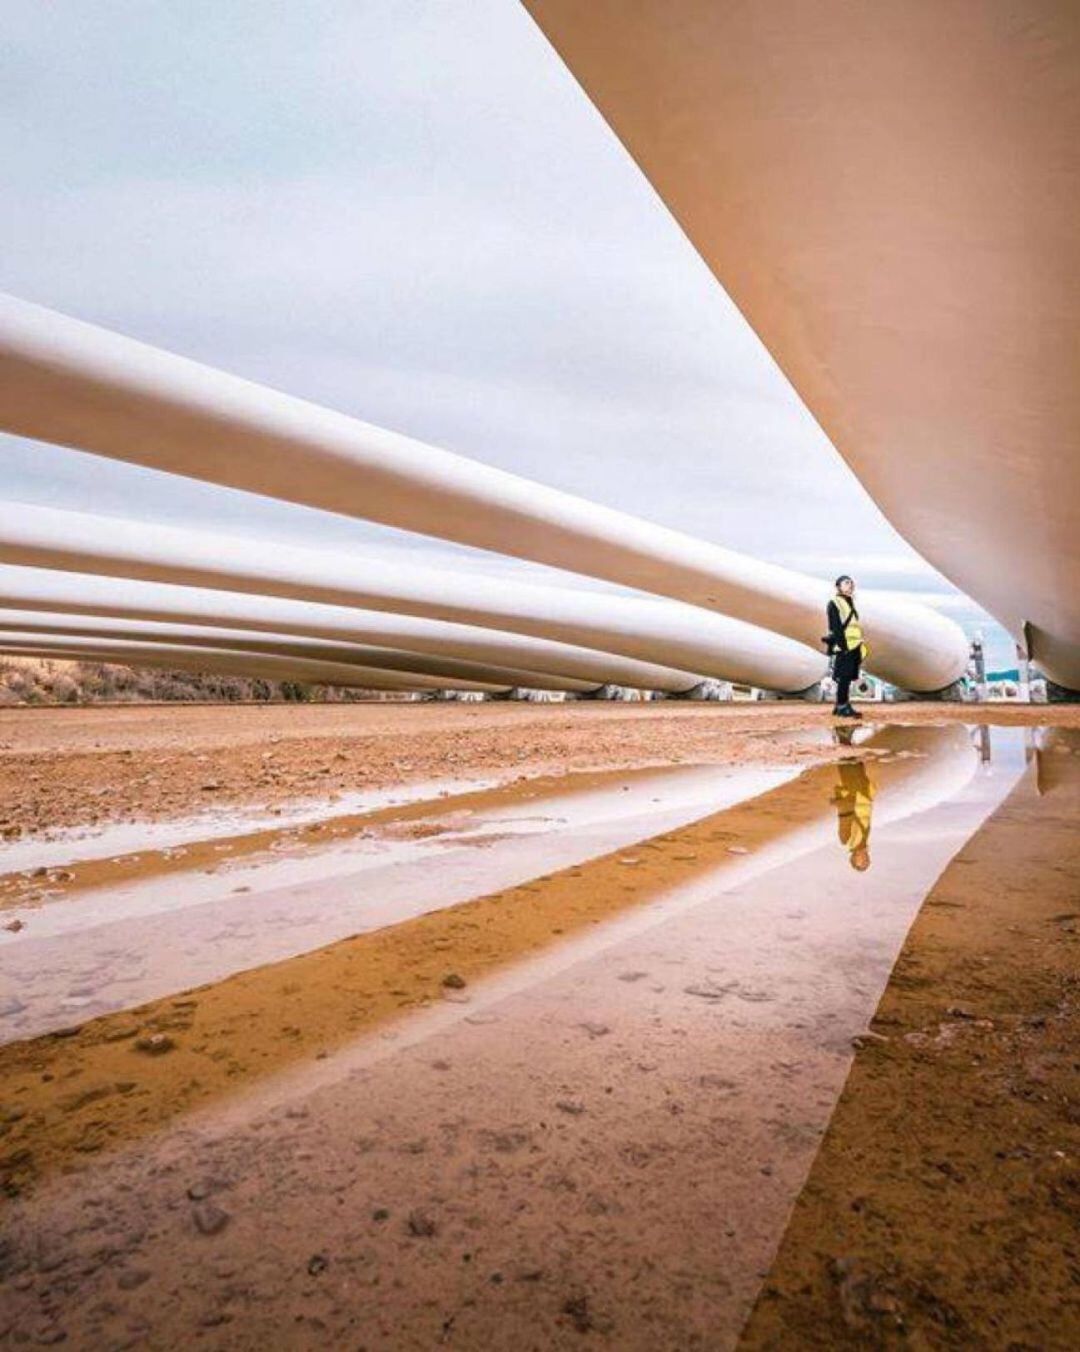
(845, 670)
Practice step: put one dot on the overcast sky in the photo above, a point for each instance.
(408, 211)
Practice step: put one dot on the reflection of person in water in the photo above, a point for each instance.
(854, 799)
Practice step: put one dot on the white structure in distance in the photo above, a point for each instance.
(647, 630)
(448, 669)
(37, 589)
(78, 385)
(198, 658)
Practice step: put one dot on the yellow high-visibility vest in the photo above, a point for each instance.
(853, 635)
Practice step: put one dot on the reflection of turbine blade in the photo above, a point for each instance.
(82, 386)
(284, 645)
(189, 927)
(1057, 761)
(269, 666)
(648, 630)
(86, 594)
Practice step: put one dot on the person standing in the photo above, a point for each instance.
(846, 644)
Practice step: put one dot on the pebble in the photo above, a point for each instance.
(419, 1223)
(595, 1029)
(157, 1044)
(209, 1218)
(133, 1277)
(454, 982)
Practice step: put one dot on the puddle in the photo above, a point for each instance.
(68, 845)
(610, 1109)
(130, 929)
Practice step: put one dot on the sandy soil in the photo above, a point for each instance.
(442, 1132)
(74, 767)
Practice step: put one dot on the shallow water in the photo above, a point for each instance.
(659, 979)
(140, 926)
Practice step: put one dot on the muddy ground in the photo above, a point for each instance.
(608, 1156)
(88, 766)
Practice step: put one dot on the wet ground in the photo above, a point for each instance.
(522, 1063)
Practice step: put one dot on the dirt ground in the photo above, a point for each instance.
(939, 1208)
(89, 766)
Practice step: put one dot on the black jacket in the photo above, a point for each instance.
(837, 638)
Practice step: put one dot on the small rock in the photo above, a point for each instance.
(48, 1334)
(737, 849)
(380, 1214)
(577, 1307)
(882, 1303)
(709, 991)
(14, 926)
(453, 982)
(209, 1218)
(214, 1319)
(572, 1106)
(318, 1262)
(131, 1278)
(422, 1225)
(157, 1044)
(595, 1029)
(199, 1192)
(120, 1034)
